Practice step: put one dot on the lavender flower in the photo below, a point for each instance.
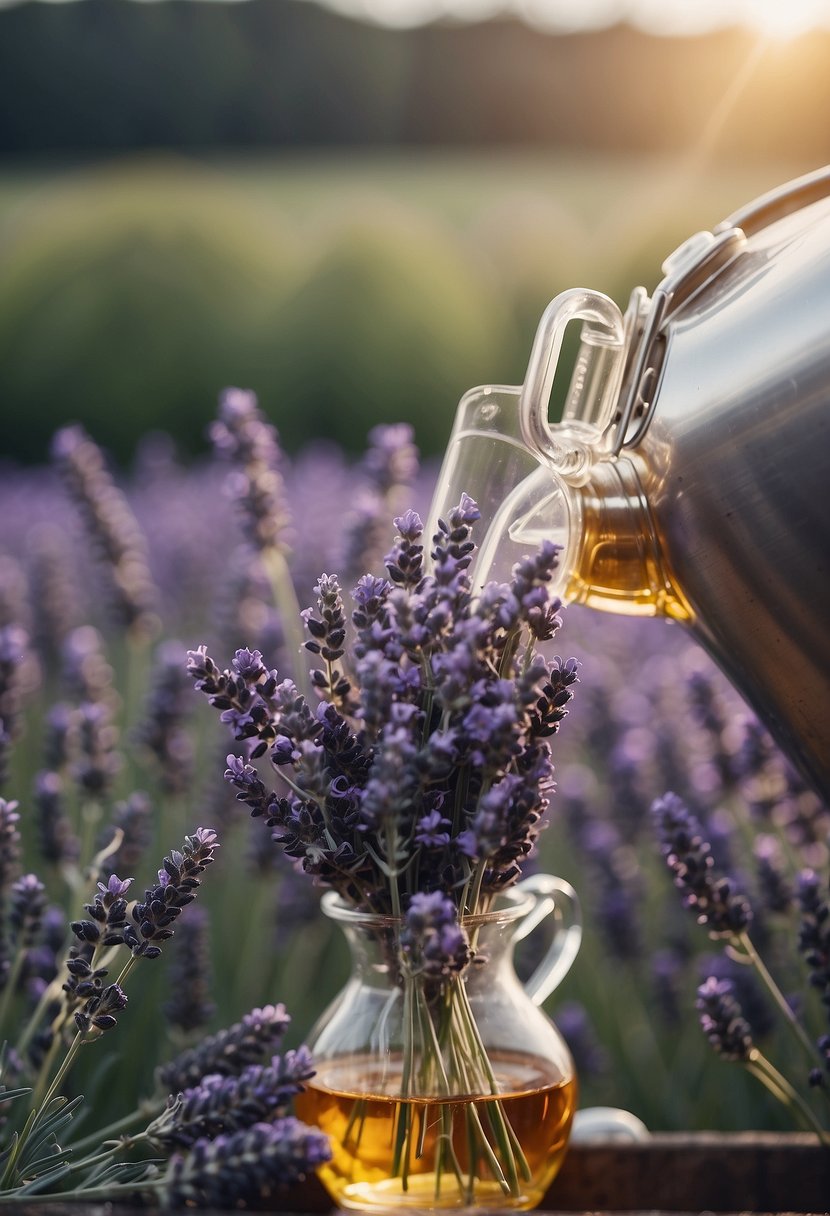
(10, 849)
(244, 438)
(179, 880)
(433, 942)
(189, 1006)
(108, 913)
(52, 592)
(111, 528)
(724, 912)
(390, 467)
(13, 652)
(252, 1040)
(27, 905)
(814, 932)
(328, 635)
(722, 1021)
(245, 1166)
(58, 842)
(98, 1011)
(131, 818)
(775, 888)
(574, 1023)
(221, 1104)
(163, 732)
(97, 762)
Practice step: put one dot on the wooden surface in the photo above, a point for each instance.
(705, 1172)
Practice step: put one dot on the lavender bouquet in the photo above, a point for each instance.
(415, 789)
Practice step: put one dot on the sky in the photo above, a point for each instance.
(780, 19)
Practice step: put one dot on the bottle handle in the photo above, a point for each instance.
(553, 897)
(592, 399)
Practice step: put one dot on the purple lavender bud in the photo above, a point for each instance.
(189, 1006)
(432, 940)
(108, 913)
(253, 1040)
(133, 818)
(111, 528)
(244, 1167)
(431, 830)
(52, 591)
(574, 1024)
(27, 905)
(85, 672)
(722, 1021)
(178, 883)
(776, 890)
(164, 733)
(98, 1012)
(222, 1104)
(256, 486)
(10, 845)
(13, 654)
(98, 762)
(328, 636)
(814, 932)
(58, 843)
(725, 913)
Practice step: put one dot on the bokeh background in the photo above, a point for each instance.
(359, 210)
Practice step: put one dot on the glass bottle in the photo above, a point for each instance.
(451, 1093)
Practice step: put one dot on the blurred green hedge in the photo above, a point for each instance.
(131, 295)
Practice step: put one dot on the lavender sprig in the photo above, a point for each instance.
(111, 527)
(243, 1167)
(730, 1035)
(178, 881)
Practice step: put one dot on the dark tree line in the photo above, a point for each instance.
(100, 75)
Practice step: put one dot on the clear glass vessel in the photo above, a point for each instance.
(450, 1093)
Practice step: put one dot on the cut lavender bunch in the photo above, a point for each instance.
(415, 789)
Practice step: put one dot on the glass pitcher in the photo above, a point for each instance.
(453, 1094)
(687, 476)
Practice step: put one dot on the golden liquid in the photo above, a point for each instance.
(363, 1129)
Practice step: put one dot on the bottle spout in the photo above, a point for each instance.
(520, 468)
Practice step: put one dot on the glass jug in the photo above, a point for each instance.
(458, 1094)
(687, 476)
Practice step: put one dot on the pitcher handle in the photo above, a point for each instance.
(554, 897)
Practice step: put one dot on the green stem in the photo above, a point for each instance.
(780, 1087)
(778, 996)
(115, 1129)
(68, 1061)
(287, 605)
(11, 985)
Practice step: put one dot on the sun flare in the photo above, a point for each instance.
(783, 20)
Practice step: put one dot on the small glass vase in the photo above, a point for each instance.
(458, 1093)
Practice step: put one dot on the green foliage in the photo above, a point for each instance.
(394, 321)
(128, 297)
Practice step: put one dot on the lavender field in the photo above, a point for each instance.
(111, 759)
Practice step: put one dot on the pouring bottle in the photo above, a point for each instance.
(689, 473)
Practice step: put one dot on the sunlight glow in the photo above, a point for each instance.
(779, 20)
